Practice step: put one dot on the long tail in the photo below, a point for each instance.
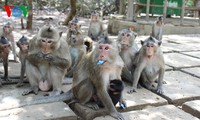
(66, 97)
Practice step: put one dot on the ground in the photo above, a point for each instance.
(180, 101)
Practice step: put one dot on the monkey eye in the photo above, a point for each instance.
(128, 35)
(43, 40)
(100, 47)
(122, 34)
(49, 41)
(106, 48)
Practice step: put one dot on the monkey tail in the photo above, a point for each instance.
(66, 97)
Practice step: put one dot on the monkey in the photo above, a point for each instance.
(23, 44)
(47, 61)
(150, 65)
(4, 52)
(95, 71)
(115, 90)
(74, 28)
(7, 32)
(96, 27)
(157, 28)
(92, 77)
(128, 50)
(88, 42)
(77, 51)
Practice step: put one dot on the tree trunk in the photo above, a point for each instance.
(130, 10)
(30, 15)
(122, 7)
(22, 23)
(72, 12)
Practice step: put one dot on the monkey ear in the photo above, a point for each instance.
(159, 43)
(142, 42)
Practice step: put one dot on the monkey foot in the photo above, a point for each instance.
(131, 91)
(19, 84)
(31, 90)
(118, 116)
(53, 93)
(93, 106)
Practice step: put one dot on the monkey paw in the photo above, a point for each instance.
(19, 84)
(159, 91)
(93, 106)
(131, 91)
(118, 116)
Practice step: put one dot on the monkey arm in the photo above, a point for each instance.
(57, 61)
(126, 75)
(35, 58)
(160, 80)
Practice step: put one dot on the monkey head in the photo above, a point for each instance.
(94, 17)
(126, 38)
(23, 44)
(8, 28)
(74, 25)
(4, 45)
(160, 19)
(150, 46)
(48, 39)
(106, 50)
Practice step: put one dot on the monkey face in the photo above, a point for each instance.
(94, 18)
(23, 46)
(150, 46)
(7, 29)
(46, 44)
(5, 48)
(104, 50)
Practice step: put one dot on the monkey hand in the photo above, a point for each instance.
(39, 55)
(117, 115)
(49, 57)
(159, 90)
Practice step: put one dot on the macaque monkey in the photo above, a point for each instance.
(7, 33)
(128, 50)
(4, 52)
(150, 66)
(157, 28)
(47, 61)
(93, 76)
(74, 28)
(23, 45)
(96, 27)
(77, 51)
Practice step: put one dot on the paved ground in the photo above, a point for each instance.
(182, 58)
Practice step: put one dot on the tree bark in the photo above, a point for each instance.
(130, 14)
(30, 15)
(122, 7)
(72, 12)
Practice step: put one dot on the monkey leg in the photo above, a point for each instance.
(56, 76)
(14, 52)
(87, 113)
(22, 72)
(33, 76)
(126, 75)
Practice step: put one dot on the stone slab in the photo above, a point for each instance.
(181, 47)
(10, 95)
(166, 112)
(141, 99)
(180, 87)
(192, 107)
(193, 54)
(13, 69)
(193, 71)
(54, 111)
(178, 61)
